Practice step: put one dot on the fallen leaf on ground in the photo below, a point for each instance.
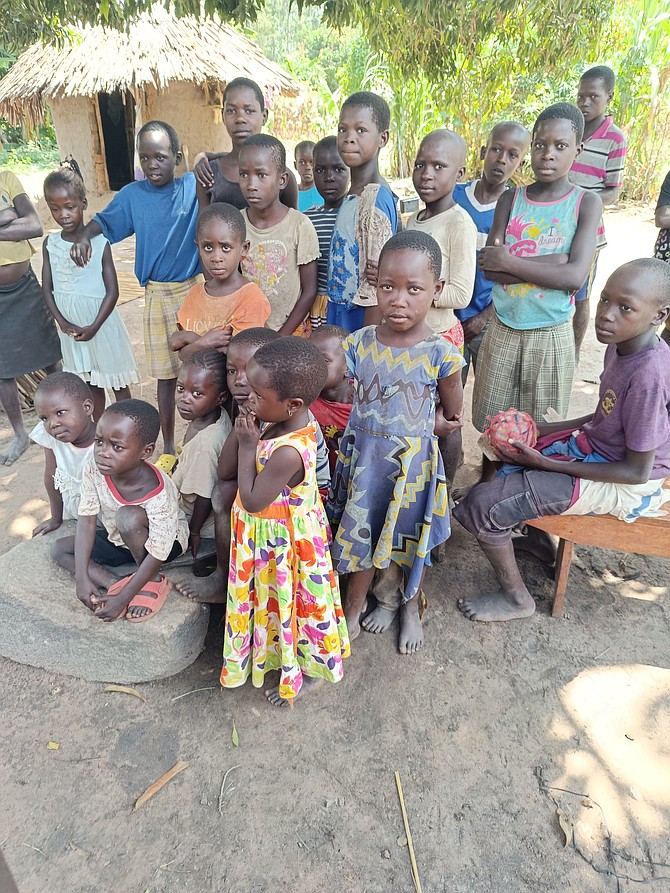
(53, 745)
(236, 737)
(567, 827)
(158, 784)
(126, 690)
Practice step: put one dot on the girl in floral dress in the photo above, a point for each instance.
(283, 609)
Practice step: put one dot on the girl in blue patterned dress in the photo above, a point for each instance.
(82, 300)
(389, 496)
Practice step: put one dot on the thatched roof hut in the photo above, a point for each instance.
(102, 87)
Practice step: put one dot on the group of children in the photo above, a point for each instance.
(352, 430)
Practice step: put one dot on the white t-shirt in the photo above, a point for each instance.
(70, 461)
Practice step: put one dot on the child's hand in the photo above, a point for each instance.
(247, 429)
(194, 544)
(85, 333)
(217, 338)
(371, 271)
(203, 170)
(46, 527)
(525, 455)
(86, 592)
(493, 258)
(81, 252)
(473, 326)
(443, 426)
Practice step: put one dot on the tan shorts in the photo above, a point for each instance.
(162, 302)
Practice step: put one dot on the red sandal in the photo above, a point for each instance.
(160, 589)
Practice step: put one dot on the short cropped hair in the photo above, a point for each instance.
(415, 240)
(254, 337)
(565, 111)
(601, 73)
(273, 146)
(250, 85)
(509, 125)
(214, 362)
(144, 415)
(325, 145)
(222, 211)
(295, 368)
(379, 108)
(165, 128)
(66, 382)
(329, 332)
(305, 145)
(657, 277)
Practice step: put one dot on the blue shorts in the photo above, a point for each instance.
(349, 316)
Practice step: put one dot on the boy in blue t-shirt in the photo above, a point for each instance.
(503, 154)
(161, 211)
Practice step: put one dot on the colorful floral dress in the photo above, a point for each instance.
(389, 493)
(283, 610)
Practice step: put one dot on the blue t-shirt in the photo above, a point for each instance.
(482, 216)
(163, 220)
(309, 198)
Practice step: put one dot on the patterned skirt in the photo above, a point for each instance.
(389, 498)
(283, 608)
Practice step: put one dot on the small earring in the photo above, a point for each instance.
(290, 412)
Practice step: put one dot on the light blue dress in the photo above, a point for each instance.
(107, 360)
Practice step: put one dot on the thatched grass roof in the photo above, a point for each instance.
(156, 49)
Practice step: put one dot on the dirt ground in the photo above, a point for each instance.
(493, 729)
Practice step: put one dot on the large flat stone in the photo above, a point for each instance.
(43, 624)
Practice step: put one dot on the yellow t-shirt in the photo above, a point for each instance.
(12, 252)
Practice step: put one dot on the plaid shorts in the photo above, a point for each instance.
(529, 370)
(162, 302)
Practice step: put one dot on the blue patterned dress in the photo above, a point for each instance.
(389, 494)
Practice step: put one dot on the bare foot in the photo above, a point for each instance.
(379, 620)
(308, 683)
(16, 448)
(411, 628)
(498, 606)
(353, 624)
(212, 590)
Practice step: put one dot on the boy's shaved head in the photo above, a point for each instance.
(448, 138)
(514, 127)
(655, 274)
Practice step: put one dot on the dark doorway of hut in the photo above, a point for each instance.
(117, 116)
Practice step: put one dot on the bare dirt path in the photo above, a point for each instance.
(492, 728)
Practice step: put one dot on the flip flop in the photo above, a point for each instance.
(160, 588)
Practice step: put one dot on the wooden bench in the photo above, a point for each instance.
(645, 536)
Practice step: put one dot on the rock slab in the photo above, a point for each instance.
(43, 624)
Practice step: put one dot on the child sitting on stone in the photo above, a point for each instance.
(139, 511)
